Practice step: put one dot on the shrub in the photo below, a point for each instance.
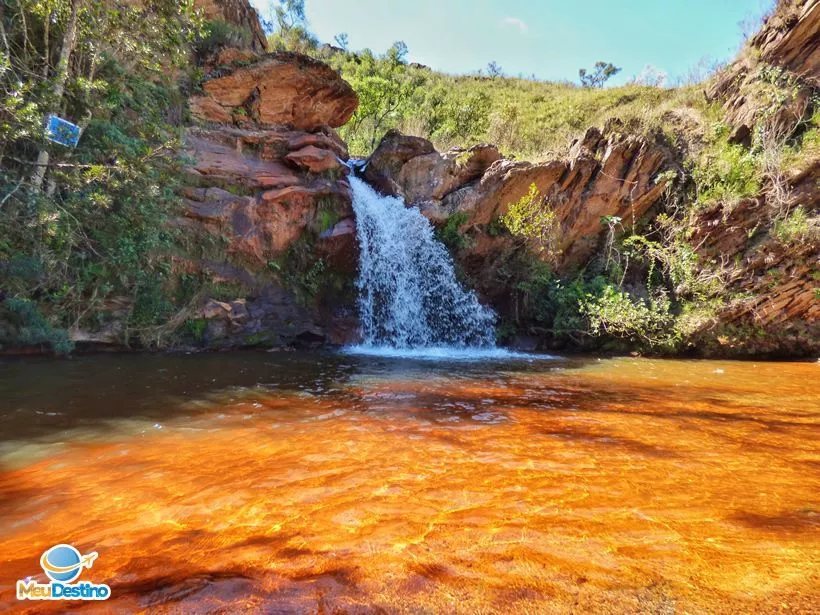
(617, 314)
(532, 218)
(93, 229)
(450, 234)
(796, 227)
(26, 326)
(219, 33)
(726, 173)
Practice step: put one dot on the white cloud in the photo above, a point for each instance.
(515, 22)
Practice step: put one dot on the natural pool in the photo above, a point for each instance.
(335, 483)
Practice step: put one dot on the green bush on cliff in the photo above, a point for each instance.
(553, 303)
(219, 33)
(533, 218)
(797, 227)
(725, 173)
(450, 234)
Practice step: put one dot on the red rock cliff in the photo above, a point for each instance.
(265, 177)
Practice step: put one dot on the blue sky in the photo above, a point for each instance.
(550, 38)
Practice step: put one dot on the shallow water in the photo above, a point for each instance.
(253, 482)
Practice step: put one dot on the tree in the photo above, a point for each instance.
(289, 27)
(99, 231)
(397, 53)
(66, 49)
(386, 90)
(288, 14)
(532, 218)
(601, 72)
(494, 70)
(652, 76)
(342, 40)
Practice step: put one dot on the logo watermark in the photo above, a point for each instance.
(63, 565)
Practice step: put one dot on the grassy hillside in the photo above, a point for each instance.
(526, 118)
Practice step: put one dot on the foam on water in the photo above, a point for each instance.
(445, 353)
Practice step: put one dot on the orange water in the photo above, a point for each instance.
(330, 484)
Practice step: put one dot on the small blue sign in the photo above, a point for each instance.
(62, 132)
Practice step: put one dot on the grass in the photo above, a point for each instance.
(796, 227)
(538, 120)
(526, 118)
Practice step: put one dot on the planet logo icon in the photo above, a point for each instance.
(64, 563)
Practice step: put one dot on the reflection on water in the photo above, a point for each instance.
(341, 483)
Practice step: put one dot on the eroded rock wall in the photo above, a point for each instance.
(607, 173)
(267, 204)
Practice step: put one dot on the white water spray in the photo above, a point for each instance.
(409, 296)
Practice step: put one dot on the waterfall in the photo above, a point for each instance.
(409, 295)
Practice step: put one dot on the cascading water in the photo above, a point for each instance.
(409, 296)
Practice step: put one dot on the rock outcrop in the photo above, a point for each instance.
(789, 41)
(267, 202)
(277, 89)
(790, 38)
(607, 173)
(385, 163)
(775, 308)
(774, 282)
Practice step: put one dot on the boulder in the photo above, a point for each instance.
(394, 150)
(431, 177)
(269, 316)
(284, 88)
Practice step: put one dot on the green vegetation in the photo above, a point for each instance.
(650, 295)
(533, 217)
(219, 33)
(288, 28)
(599, 75)
(450, 234)
(82, 227)
(196, 328)
(618, 314)
(796, 227)
(22, 323)
(85, 232)
(525, 118)
(726, 173)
